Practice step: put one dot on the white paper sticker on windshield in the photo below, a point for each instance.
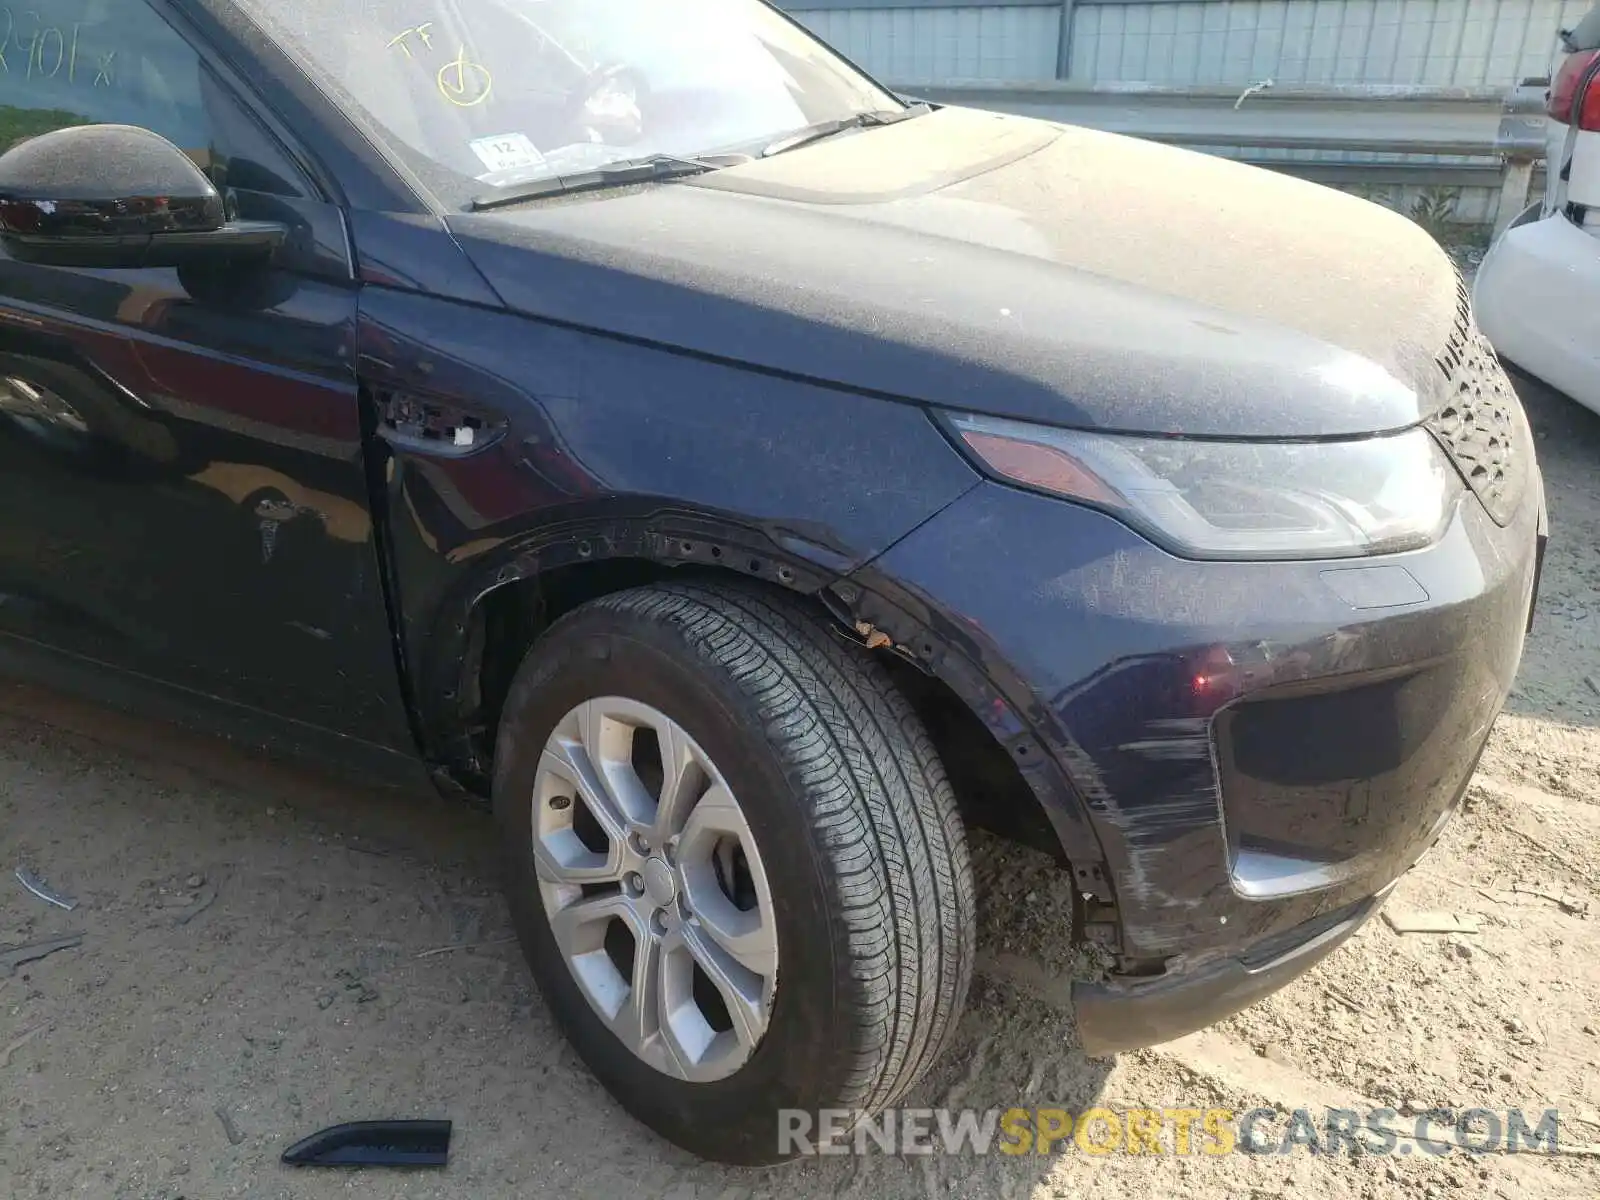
(507, 152)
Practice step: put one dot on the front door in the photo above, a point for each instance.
(182, 489)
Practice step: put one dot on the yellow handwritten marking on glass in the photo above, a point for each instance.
(35, 49)
(48, 50)
(400, 40)
(465, 83)
(27, 47)
(50, 67)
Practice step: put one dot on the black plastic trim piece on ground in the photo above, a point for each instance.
(374, 1144)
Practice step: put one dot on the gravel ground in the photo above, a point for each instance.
(265, 952)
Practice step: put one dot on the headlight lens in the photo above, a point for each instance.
(1237, 500)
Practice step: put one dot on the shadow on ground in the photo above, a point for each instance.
(350, 959)
(1560, 678)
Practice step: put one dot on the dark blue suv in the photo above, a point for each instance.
(627, 415)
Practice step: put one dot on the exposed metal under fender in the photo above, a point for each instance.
(660, 536)
(881, 622)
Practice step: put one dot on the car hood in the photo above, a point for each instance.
(1010, 266)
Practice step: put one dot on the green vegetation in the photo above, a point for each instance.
(1435, 209)
(18, 124)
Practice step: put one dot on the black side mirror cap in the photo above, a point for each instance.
(114, 196)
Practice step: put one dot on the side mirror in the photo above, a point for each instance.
(116, 196)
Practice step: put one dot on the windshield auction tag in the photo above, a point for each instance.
(507, 152)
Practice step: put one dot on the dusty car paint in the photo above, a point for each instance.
(302, 502)
(1005, 287)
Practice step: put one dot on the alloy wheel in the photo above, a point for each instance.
(654, 888)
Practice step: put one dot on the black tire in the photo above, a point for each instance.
(847, 800)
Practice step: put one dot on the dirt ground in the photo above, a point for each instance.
(288, 952)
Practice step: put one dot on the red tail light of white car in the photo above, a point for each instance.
(1575, 103)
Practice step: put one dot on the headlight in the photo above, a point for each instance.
(1237, 500)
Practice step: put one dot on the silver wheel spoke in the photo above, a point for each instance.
(746, 937)
(579, 928)
(640, 1018)
(716, 814)
(681, 781)
(570, 760)
(685, 1034)
(572, 864)
(739, 988)
(567, 777)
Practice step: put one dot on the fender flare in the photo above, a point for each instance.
(866, 606)
(884, 614)
(442, 659)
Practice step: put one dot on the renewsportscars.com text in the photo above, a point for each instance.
(1175, 1131)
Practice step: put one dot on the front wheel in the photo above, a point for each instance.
(734, 864)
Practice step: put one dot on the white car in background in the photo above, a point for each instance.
(1537, 294)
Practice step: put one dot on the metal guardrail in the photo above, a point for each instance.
(1498, 138)
(1494, 141)
(1067, 25)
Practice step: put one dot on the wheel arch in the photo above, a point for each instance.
(498, 607)
(505, 592)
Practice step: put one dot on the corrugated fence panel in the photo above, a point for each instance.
(906, 42)
(1495, 42)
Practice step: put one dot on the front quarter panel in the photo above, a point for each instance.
(580, 441)
(1211, 715)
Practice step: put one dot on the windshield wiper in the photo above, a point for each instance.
(823, 129)
(650, 168)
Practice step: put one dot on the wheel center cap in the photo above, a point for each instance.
(659, 883)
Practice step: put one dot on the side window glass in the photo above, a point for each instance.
(84, 62)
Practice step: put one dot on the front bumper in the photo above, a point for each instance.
(1113, 1018)
(1259, 748)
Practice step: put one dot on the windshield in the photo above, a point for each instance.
(490, 93)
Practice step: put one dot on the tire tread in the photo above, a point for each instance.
(879, 802)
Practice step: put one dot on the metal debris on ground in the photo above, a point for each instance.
(199, 905)
(12, 957)
(1570, 905)
(1556, 856)
(354, 983)
(1402, 921)
(229, 1129)
(18, 1043)
(502, 941)
(1335, 994)
(43, 890)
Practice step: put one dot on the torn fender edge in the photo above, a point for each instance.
(869, 607)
